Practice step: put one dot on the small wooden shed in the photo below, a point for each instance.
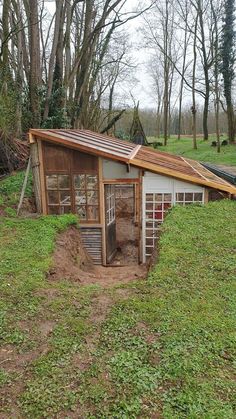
(121, 191)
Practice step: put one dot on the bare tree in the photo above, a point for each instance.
(35, 76)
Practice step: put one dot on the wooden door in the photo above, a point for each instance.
(110, 220)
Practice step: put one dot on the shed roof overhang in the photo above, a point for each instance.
(143, 157)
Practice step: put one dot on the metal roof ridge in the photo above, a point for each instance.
(195, 170)
(134, 152)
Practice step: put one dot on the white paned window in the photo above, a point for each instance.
(110, 204)
(186, 198)
(156, 207)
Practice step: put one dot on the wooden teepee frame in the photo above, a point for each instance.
(137, 133)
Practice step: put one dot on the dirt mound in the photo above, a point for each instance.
(70, 259)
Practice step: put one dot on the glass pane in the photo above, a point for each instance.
(91, 181)
(179, 196)
(92, 197)
(149, 197)
(149, 242)
(158, 197)
(158, 215)
(63, 182)
(51, 182)
(79, 181)
(81, 211)
(53, 210)
(92, 213)
(198, 196)
(167, 197)
(189, 197)
(149, 206)
(158, 207)
(65, 198)
(80, 198)
(53, 197)
(167, 205)
(156, 224)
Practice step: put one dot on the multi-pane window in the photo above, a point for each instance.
(58, 194)
(185, 198)
(157, 205)
(110, 204)
(86, 196)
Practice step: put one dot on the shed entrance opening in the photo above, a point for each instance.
(122, 231)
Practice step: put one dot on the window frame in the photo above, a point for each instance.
(110, 205)
(61, 206)
(86, 191)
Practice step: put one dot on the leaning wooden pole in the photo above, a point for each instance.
(24, 186)
(34, 152)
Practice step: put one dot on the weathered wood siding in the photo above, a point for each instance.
(92, 241)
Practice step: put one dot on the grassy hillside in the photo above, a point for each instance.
(10, 190)
(162, 347)
(204, 153)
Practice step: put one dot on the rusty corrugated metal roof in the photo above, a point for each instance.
(139, 156)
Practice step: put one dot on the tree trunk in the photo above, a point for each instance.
(20, 73)
(194, 111)
(206, 66)
(58, 23)
(183, 72)
(35, 73)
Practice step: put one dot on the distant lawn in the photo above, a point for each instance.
(205, 152)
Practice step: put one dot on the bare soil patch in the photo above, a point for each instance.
(70, 258)
(71, 262)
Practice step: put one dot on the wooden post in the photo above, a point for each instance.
(42, 178)
(206, 195)
(24, 186)
(102, 209)
(36, 176)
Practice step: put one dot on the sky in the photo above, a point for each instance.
(141, 91)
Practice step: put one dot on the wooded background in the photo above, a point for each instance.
(64, 66)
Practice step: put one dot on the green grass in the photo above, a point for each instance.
(166, 347)
(169, 349)
(204, 153)
(10, 190)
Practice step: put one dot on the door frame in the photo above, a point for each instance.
(110, 223)
(138, 211)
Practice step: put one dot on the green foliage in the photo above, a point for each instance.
(10, 212)
(204, 153)
(122, 135)
(8, 104)
(57, 117)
